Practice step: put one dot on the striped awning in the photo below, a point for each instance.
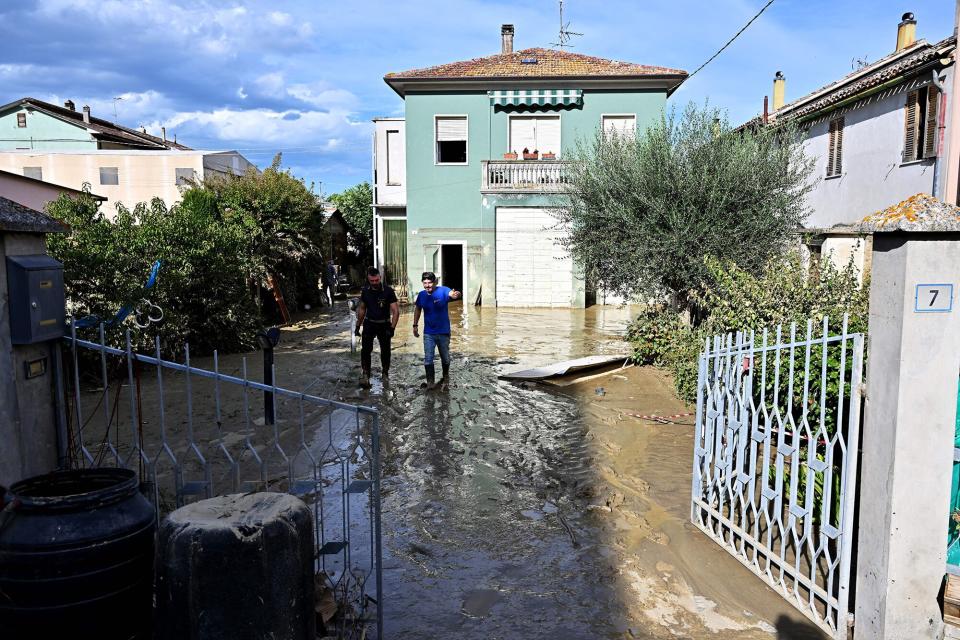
(535, 97)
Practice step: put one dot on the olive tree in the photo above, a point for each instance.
(644, 212)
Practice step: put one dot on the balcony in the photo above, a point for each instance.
(523, 176)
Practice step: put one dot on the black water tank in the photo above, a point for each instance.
(76, 557)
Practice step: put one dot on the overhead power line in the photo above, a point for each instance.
(730, 41)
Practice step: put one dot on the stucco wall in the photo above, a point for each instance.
(29, 193)
(142, 175)
(42, 133)
(874, 175)
(444, 201)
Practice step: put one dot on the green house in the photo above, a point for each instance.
(477, 215)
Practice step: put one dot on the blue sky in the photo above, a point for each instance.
(305, 76)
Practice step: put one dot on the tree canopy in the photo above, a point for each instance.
(643, 213)
(356, 206)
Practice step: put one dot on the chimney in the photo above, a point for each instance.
(766, 110)
(163, 130)
(86, 113)
(506, 38)
(779, 90)
(69, 105)
(906, 31)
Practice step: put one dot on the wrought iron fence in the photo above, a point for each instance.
(193, 432)
(775, 460)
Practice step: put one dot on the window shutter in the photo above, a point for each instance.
(548, 135)
(832, 147)
(930, 126)
(838, 148)
(523, 134)
(910, 128)
(451, 129)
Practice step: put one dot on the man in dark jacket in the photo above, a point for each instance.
(378, 314)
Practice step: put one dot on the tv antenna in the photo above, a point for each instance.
(563, 40)
(115, 101)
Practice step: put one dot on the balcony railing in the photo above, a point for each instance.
(524, 175)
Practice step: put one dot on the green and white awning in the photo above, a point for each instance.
(535, 97)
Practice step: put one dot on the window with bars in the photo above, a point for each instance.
(22, 120)
(920, 124)
(835, 152)
(451, 137)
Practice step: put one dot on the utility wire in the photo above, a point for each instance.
(729, 42)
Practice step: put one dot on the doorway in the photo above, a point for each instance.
(451, 266)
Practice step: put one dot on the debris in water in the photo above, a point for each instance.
(533, 514)
(478, 602)
(600, 391)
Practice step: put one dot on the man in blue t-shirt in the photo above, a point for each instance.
(432, 302)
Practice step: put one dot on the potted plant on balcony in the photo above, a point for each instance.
(548, 155)
(510, 155)
(528, 155)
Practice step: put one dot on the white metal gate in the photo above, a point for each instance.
(775, 460)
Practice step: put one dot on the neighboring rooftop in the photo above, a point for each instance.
(18, 218)
(537, 63)
(896, 65)
(100, 128)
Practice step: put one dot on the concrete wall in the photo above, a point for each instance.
(393, 193)
(444, 201)
(28, 442)
(29, 193)
(874, 175)
(142, 175)
(42, 133)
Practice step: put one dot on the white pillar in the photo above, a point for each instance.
(912, 368)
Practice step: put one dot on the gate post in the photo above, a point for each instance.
(912, 368)
(31, 322)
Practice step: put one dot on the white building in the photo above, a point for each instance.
(390, 201)
(876, 137)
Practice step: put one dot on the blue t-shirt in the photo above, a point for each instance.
(436, 320)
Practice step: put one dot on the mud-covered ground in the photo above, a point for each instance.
(511, 510)
(534, 511)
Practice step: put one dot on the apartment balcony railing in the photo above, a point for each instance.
(533, 176)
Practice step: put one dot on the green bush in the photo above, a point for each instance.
(734, 300)
(202, 284)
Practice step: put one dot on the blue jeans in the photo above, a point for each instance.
(440, 341)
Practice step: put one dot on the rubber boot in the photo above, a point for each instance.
(445, 380)
(431, 376)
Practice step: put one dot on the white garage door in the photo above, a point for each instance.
(533, 270)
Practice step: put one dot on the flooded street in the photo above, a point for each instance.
(532, 511)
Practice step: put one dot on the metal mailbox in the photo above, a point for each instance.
(37, 304)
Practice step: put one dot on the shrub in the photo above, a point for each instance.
(202, 284)
(734, 299)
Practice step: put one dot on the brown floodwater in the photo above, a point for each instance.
(514, 510)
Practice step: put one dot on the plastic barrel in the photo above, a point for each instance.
(76, 557)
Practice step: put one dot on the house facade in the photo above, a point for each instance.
(475, 215)
(69, 148)
(876, 136)
(390, 201)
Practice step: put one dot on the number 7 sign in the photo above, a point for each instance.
(933, 298)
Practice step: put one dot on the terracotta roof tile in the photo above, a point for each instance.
(551, 63)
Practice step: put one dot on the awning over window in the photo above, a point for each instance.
(535, 97)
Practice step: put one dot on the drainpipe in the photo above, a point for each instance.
(953, 135)
(941, 125)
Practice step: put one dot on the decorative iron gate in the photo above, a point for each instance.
(192, 433)
(775, 460)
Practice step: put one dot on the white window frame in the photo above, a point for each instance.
(436, 158)
(618, 115)
(386, 147)
(510, 117)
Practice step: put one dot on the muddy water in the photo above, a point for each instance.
(531, 511)
(518, 511)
